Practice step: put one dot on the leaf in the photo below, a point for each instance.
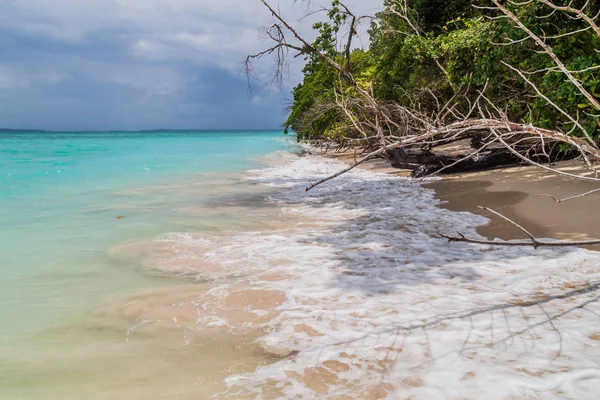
(583, 105)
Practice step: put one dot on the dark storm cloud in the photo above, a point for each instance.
(132, 64)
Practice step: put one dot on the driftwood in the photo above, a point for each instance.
(424, 162)
(532, 241)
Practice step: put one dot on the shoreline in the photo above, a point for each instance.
(518, 192)
(521, 193)
(345, 293)
(392, 309)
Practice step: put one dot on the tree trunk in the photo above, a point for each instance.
(423, 162)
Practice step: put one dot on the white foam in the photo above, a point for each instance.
(406, 313)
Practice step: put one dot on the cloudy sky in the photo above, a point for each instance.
(136, 64)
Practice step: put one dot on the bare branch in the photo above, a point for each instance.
(579, 196)
(550, 52)
(522, 243)
(351, 167)
(533, 239)
(580, 14)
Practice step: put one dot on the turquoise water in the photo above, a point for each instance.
(67, 198)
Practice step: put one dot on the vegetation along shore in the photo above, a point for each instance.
(502, 98)
(453, 86)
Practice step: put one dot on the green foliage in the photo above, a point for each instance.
(577, 51)
(309, 116)
(456, 47)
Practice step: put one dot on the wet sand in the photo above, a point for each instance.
(520, 193)
(380, 268)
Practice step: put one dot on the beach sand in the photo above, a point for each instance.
(392, 311)
(521, 194)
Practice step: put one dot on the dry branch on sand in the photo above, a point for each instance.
(533, 241)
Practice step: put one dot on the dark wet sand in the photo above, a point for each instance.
(517, 192)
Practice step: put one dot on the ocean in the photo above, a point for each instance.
(66, 199)
(195, 266)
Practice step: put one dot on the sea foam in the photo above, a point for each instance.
(359, 298)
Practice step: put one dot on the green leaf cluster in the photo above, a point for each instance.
(457, 46)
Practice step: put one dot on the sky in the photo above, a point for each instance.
(140, 64)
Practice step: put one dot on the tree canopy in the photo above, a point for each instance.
(422, 52)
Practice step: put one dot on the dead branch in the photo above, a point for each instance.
(304, 47)
(579, 196)
(533, 239)
(548, 49)
(580, 14)
(535, 242)
(379, 127)
(351, 167)
(520, 243)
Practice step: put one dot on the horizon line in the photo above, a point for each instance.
(4, 130)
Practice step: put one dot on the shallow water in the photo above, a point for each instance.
(346, 292)
(66, 199)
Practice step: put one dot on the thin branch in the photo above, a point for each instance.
(533, 239)
(578, 12)
(523, 243)
(351, 167)
(579, 196)
(549, 51)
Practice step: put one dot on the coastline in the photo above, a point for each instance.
(378, 306)
(521, 193)
(518, 192)
(341, 293)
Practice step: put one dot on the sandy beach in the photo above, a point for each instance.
(380, 307)
(522, 193)
(184, 216)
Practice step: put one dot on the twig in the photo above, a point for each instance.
(351, 167)
(572, 197)
(533, 239)
(535, 242)
(553, 170)
(548, 50)
(540, 243)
